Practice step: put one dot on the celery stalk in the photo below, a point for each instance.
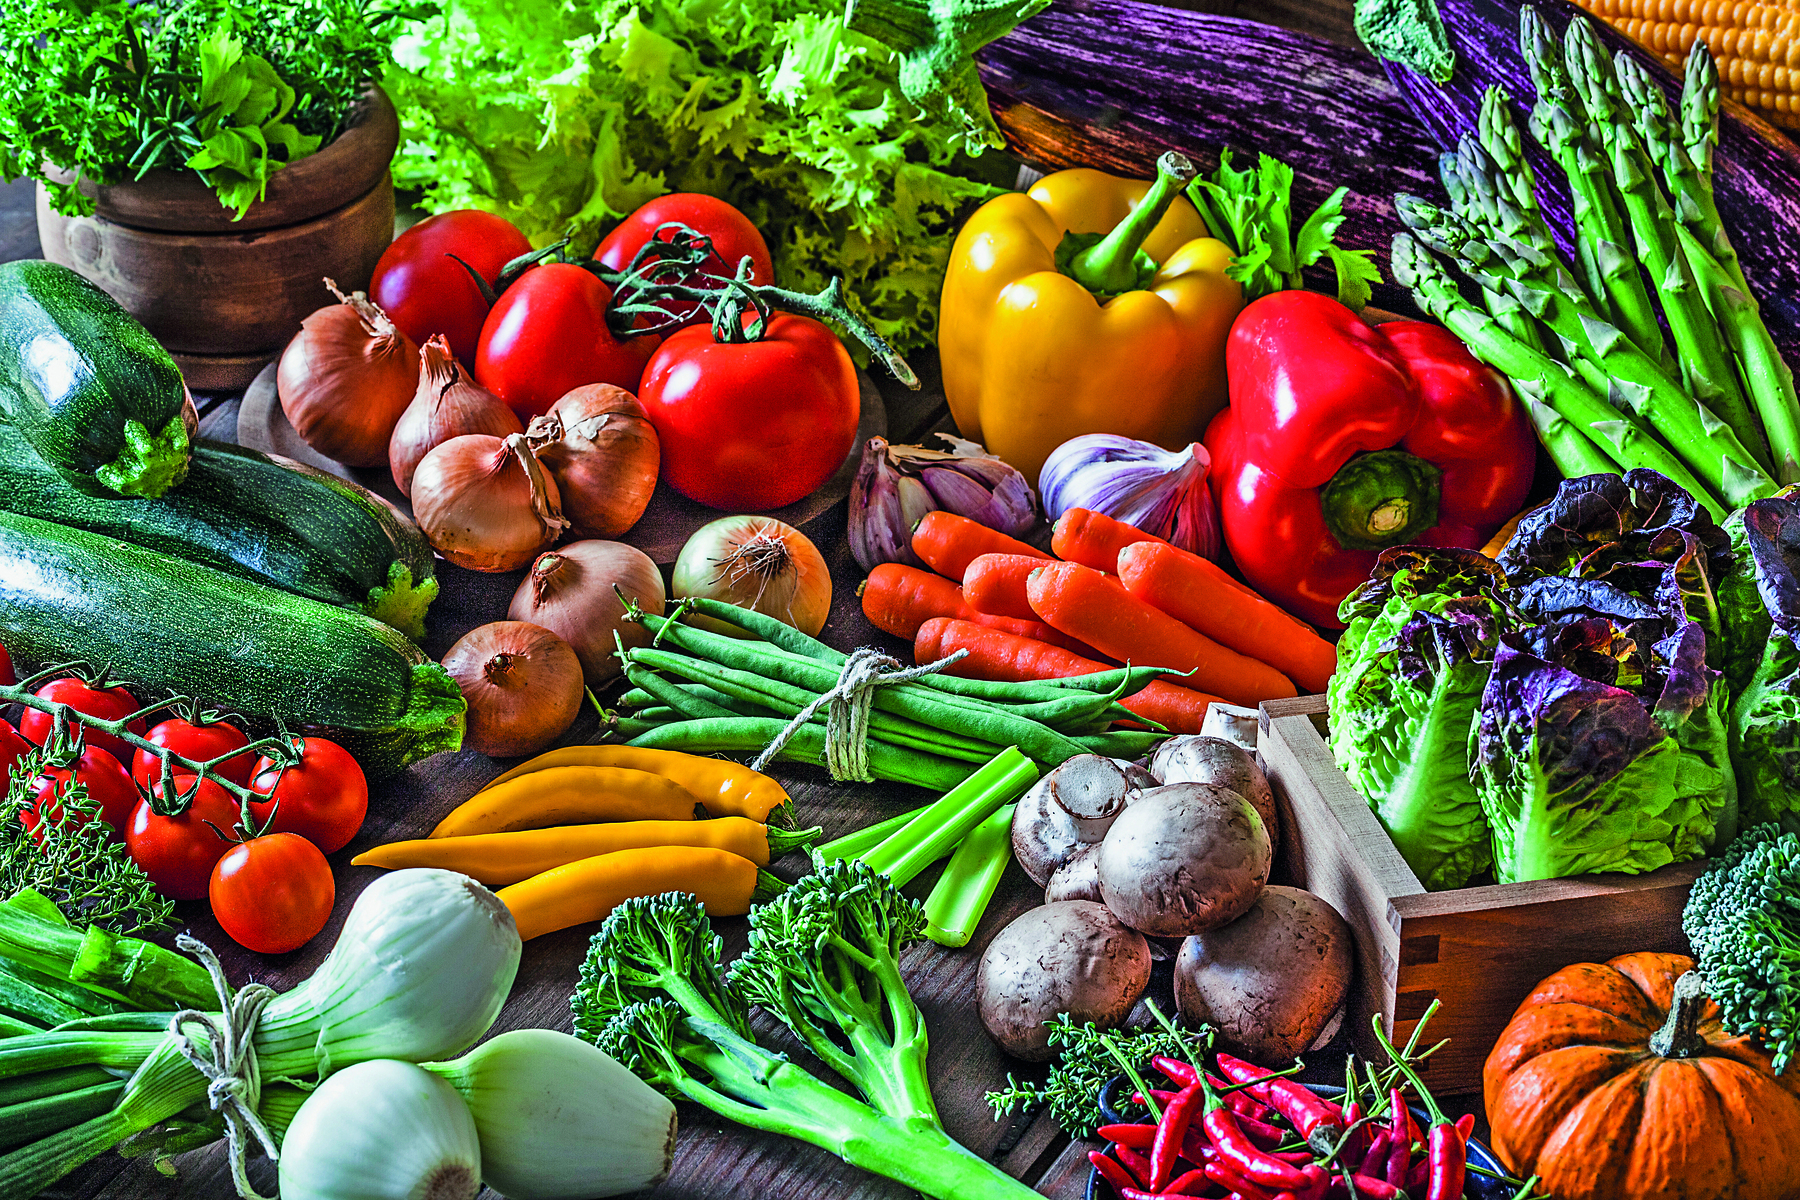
(1006, 777)
(866, 838)
(961, 896)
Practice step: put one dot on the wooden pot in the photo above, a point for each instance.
(224, 297)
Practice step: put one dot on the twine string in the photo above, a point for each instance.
(847, 707)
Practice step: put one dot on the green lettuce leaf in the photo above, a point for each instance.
(1765, 716)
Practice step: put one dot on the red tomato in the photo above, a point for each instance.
(426, 291)
(273, 893)
(107, 784)
(755, 426)
(12, 749)
(323, 797)
(178, 852)
(108, 705)
(733, 237)
(7, 677)
(200, 743)
(547, 336)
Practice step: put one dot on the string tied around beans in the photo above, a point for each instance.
(225, 1054)
(847, 707)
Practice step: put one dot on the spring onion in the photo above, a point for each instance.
(382, 1130)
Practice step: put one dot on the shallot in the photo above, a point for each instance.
(448, 403)
(484, 503)
(345, 379)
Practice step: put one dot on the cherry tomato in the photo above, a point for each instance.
(178, 852)
(323, 797)
(547, 336)
(754, 426)
(7, 678)
(12, 749)
(733, 237)
(107, 785)
(272, 893)
(108, 705)
(426, 291)
(200, 743)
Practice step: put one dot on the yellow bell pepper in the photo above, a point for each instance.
(1090, 304)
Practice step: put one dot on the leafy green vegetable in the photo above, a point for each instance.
(1251, 212)
(1090, 1057)
(1765, 715)
(564, 118)
(234, 89)
(1412, 666)
(1743, 918)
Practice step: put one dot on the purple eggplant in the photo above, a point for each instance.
(1756, 168)
(1114, 83)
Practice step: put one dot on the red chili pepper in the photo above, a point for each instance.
(1161, 1097)
(1399, 1160)
(1400, 1118)
(1357, 1144)
(1446, 1148)
(1222, 1174)
(1111, 1171)
(1418, 1176)
(1465, 1125)
(1366, 1187)
(1134, 1162)
(1318, 1181)
(1305, 1111)
(1132, 1193)
(1242, 1102)
(1175, 1069)
(1298, 1157)
(1265, 1135)
(1170, 1132)
(1239, 1152)
(1191, 1184)
(1138, 1137)
(1196, 1149)
(1374, 1161)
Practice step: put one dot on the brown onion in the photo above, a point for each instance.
(601, 447)
(569, 591)
(756, 563)
(345, 379)
(449, 403)
(484, 503)
(523, 685)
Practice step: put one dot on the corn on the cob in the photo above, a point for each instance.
(1757, 45)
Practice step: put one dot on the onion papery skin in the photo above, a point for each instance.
(382, 1130)
(485, 504)
(600, 446)
(569, 591)
(757, 563)
(448, 403)
(523, 685)
(345, 378)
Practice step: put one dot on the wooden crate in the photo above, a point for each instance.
(1481, 949)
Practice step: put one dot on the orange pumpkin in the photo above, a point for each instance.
(1612, 1084)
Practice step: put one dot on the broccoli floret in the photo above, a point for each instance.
(653, 946)
(1743, 919)
(824, 958)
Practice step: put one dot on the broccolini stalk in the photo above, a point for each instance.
(1559, 122)
(1538, 376)
(652, 995)
(1706, 365)
(1743, 918)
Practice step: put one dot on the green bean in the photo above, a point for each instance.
(751, 734)
(640, 699)
(1123, 743)
(1136, 679)
(769, 629)
(688, 705)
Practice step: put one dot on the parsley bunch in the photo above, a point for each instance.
(232, 89)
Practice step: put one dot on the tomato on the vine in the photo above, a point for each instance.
(100, 773)
(272, 893)
(108, 704)
(548, 336)
(197, 743)
(12, 749)
(754, 425)
(7, 678)
(733, 237)
(426, 291)
(323, 797)
(178, 852)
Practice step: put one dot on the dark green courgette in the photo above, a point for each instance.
(270, 520)
(86, 385)
(166, 625)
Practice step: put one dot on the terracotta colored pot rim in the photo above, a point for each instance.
(334, 176)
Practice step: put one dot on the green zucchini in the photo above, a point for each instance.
(270, 520)
(86, 385)
(166, 625)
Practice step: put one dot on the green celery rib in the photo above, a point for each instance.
(852, 845)
(907, 852)
(956, 904)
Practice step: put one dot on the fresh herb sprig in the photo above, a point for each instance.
(1090, 1057)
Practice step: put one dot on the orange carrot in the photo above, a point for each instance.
(1094, 539)
(995, 654)
(995, 583)
(1194, 591)
(898, 599)
(1096, 608)
(949, 543)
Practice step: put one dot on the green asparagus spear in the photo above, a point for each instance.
(1475, 207)
(1538, 376)
(1500, 137)
(1570, 449)
(1707, 367)
(1559, 121)
(1770, 381)
(1635, 380)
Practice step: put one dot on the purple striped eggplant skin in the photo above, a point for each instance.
(1756, 168)
(1112, 84)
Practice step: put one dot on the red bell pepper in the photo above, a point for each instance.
(1343, 439)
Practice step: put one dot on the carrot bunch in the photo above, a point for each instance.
(1112, 594)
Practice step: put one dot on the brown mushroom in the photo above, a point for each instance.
(1185, 858)
(1073, 957)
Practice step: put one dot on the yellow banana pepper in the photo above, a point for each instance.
(1090, 304)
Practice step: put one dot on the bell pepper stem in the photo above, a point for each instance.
(1111, 265)
(1381, 499)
